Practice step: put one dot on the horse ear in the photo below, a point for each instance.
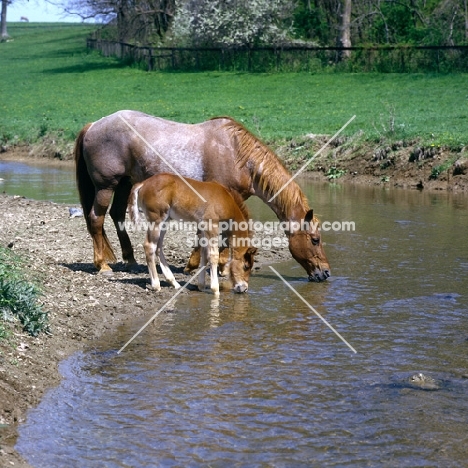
(252, 250)
(309, 216)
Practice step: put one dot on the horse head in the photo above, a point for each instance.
(240, 268)
(305, 245)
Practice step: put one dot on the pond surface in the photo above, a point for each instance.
(257, 380)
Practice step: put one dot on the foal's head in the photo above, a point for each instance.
(240, 267)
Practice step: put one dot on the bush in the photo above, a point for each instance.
(19, 297)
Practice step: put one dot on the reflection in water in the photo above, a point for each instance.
(258, 380)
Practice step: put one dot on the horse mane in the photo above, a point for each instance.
(265, 165)
(241, 204)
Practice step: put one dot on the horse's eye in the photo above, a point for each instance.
(315, 240)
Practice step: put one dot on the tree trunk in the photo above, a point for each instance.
(346, 28)
(3, 34)
(465, 4)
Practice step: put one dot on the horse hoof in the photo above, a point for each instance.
(106, 271)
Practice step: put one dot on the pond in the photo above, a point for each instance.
(259, 380)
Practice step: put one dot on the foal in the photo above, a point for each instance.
(166, 196)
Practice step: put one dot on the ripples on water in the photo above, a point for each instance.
(258, 380)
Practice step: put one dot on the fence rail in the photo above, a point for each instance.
(289, 57)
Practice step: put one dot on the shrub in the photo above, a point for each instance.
(335, 173)
(19, 297)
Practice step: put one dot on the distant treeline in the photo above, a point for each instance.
(340, 23)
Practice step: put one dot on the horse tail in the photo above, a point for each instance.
(87, 190)
(133, 208)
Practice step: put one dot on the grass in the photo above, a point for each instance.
(51, 86)
(18, 297)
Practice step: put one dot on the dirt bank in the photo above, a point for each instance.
(83, 305)
(402, 164)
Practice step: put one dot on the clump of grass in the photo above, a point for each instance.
(19, 297)
(441, 168)
(335, 173)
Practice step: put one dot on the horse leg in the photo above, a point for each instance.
(150, 245)
(213, 250)
(203, 254)
(194, 260)
(102, 249)
(223, 261)
(163, 263)
(117, 212)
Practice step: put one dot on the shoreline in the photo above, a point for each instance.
(431, 169)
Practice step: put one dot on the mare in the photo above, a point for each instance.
(167, 196)
(127, 147)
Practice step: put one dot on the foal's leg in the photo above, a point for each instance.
(102, 249)
(163, 263)
(150, 246)
(194, 261)
(117, 212)
(213, 250)
(203, 258)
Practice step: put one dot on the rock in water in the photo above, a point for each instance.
(423, 382)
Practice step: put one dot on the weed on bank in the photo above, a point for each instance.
(19, 297)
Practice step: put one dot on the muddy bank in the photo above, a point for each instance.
(401, 164)
(83, 305)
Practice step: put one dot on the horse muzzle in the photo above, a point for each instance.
(241, 288)
(319, 276)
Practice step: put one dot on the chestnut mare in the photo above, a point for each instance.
(127, 147)
(166, 196)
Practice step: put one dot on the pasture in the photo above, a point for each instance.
(52, 86)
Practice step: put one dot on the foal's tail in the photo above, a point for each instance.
(87, 190)
(133, 208)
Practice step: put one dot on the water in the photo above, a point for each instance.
(39, 181)
(258, 380)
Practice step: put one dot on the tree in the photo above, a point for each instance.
(3, 26)
(346, 28)
(135, 19)
(234, 22)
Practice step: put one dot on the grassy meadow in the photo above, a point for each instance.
(51, 85)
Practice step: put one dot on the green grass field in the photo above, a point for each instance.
(51, 84)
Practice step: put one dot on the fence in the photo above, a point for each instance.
(400, 59)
